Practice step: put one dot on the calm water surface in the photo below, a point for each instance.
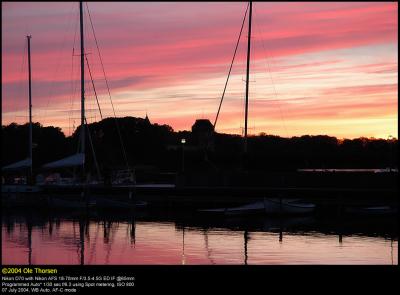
(61, 239)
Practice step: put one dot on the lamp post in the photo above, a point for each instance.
(183, 141)
(390, 138)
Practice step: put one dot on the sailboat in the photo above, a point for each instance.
(77, 160)
(267, 205)
(76, 188)
(26, 164)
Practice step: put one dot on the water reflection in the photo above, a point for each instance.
(246, 238)
(29, 227)
(183, 246)
(56, 238)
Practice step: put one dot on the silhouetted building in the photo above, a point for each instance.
(203, 133)
(146, 119)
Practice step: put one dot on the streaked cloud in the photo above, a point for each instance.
(311, 62)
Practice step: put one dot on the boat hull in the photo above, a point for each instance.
(70, 203)
(22, 188)
(284, 206)
(107, 203)
(267, 206)
(371, 211)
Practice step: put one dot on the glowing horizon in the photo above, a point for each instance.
(317, 68)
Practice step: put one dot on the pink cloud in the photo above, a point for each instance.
(354, 91)
(147, 46)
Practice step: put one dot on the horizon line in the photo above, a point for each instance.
(262, 133)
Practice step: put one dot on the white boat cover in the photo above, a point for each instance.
(18, 165)
(75, 160)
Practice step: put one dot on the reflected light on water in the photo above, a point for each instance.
(166, 243)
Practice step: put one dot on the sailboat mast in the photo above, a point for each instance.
(82, 83)
(30, 104)
(247, 77)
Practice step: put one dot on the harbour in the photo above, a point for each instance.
(142, 175)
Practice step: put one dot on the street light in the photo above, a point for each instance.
(390, 138)
(183, 141)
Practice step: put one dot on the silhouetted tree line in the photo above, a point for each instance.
(159, 147)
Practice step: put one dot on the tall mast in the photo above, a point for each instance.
(82, 83)
(247, 77)
(30, 106)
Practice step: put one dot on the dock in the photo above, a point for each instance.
(330, 189)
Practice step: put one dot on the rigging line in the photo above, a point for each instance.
(230, 68)
(252, 90)
(108, 89)
(94, 154)
(72, 81)
(73, 104)
(242, 94)
(272, 81)
(22, 68)
(71, 91)
(51, 91)
(89, 94)
(242, 107)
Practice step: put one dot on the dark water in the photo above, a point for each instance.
(153, 238)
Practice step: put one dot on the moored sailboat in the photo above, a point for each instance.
(22, 184)
(77, 160)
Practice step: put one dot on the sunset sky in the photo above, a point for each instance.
(316, 68)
